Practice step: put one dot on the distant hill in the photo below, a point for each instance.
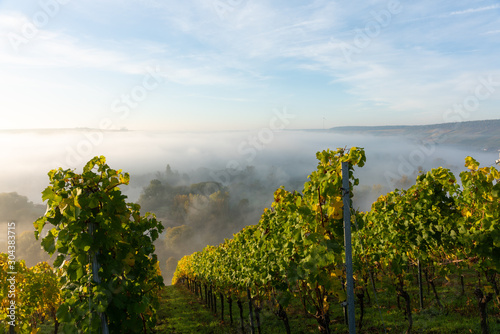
(481, 135)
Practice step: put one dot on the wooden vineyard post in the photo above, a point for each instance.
(348, 248)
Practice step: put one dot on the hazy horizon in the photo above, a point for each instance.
(125, 129)
(143, 153)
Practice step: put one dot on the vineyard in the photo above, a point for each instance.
(436, 229)
(430, 253)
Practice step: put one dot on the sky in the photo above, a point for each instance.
(223, 65)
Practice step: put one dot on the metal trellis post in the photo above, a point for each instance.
(348, 248)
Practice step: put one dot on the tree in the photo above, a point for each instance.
(92, 220)
(29, 249)
(14, 207)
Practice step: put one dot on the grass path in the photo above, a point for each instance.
(181, 313)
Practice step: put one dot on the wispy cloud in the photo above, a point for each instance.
(59, 50)
(492, 32)
(475, 10)
(424, 57)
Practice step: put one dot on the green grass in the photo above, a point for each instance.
(459, 313)
(182, 312)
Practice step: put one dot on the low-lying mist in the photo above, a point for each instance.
(205, 186)
(29, 155)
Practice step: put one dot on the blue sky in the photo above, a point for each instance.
(208, 65)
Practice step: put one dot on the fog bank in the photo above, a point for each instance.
(29, 155)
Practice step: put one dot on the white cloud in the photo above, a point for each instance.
(51, 49)
(475, 10)
(492, 32)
